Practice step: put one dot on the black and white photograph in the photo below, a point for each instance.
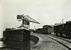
(35, 24)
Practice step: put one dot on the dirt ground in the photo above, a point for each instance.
(47, 44)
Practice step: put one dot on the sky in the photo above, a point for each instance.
(47, 12)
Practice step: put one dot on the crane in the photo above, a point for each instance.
(26, 19)
(62, 21)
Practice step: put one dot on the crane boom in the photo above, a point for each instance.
(31, 19)
(27, 18)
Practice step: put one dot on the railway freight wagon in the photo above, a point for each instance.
(56, 30)
(45, 30)
(59, 29)
(68, 29)
(39, 30)
(42, 30)
(63, 30)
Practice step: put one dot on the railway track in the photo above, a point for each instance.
(68, 40)
(66, 43)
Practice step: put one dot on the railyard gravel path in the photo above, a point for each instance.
(46, 43)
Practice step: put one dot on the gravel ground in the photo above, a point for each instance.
(32, 44)
(47, 44)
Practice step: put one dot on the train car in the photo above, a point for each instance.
(59, 29)
(63, 30)
(45, 30)
(68, 29)
(56, 30)
(39, 30)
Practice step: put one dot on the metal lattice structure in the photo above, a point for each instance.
(26, 20)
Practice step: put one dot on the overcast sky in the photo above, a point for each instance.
(47, 12)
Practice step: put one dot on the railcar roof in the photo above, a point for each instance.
(68, 22)
(59, 24)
